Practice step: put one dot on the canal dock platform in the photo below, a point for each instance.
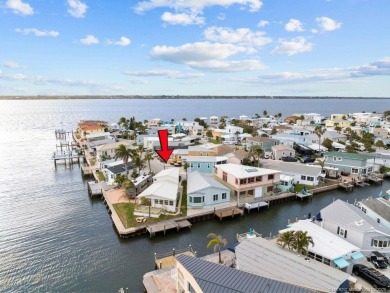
(166, 260)
(167, 225)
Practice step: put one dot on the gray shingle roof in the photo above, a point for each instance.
(118, 169)
(380, 206)
(350, 217)
(215, 278)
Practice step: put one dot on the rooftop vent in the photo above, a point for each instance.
(251, 170)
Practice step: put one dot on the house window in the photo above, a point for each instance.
(161, 201)
(251, 180)
(327, 261)
(171, 202)
(271, 177)
(379, 243)
(208, 165)
(311, 255)
(259, 178)
(354, 171)
(303, 177)
(369, 169)
(269, 188)
(309, 178)
(251, 192)
(224, 195)
(364, 171)
(224, 177)
(364, 210)
(318, 257)
(242, 181)
(166, 202)
(339, 159)
(215, 197)
(191, 289)
(198, 165)
(156, 201)
(342, 232)
(334, 159)
(378, 220)
(197, 199)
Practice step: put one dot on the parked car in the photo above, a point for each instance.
(306, 160)
(378, 260)
(289, 159)
(374, 277)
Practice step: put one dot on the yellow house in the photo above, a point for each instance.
(341, 123)
(337, 116)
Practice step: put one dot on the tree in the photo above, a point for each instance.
(319, 132)
(321, 163)
(265, 113)
(216, 241)
(138, 162)
(302, 241)
(274, 131)
(209, 134)
(130, 190)
(256, 152)
(379, 144)
(124, 153)
(148, 157)
(286, 239)
(327, 143)
(338, 129)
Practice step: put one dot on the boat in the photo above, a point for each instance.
(248, 235)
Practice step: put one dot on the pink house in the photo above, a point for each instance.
(247, 181)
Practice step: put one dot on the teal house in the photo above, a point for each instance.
(203, 164)
(349, 163)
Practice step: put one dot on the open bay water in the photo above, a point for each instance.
(54, 238)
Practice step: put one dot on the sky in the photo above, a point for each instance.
(195, 47)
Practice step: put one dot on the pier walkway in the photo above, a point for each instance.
(167, 225)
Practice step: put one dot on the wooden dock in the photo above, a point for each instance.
(375, 179)
(166, 260)
(167, 225)
(87, 170)
(229, 212)
(347, 186)
(254, 205)
(94, 189)
(302, 195)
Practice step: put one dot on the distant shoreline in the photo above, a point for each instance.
(177, 97)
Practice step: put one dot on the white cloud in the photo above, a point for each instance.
(380, 67)
(123, 41)
(196, 5)
(294, 25)
(263, 23)
(164, 73)
(241, 36)
(228, 66)
(77, 8)
(138, 81)
(328, 24)
(19, 7)
(89, 40)
(221, 16)
(314, 31)
(293, 46)
(38, 33)
(12, 65)
(182, 18)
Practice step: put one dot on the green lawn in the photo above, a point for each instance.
(100, 176)
(299, 187)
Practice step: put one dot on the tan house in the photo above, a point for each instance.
(247, 182)
(280, 151)
(336, 117)
(341, 123)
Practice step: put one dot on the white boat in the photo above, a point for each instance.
(248, 235)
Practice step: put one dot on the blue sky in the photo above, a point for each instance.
(195, 47)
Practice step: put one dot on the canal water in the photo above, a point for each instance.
(54, 238)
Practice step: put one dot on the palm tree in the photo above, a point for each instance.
(138, 162)
(217, 241)
(256, 152)
(319, 132)
(148, 157)
(286, 239)
(302, 241)
(320, 163)
(122, 152)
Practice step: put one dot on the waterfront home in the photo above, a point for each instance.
(328, 248)
(280, 151)
(85, 127)
(204, 164)
(265, 258)
(101, 138)
(286, 183)
(377, 209)
(349, 163)
(351, 223)
(203, 191)
(247, 182)
(164, 191)
(107, 151)
(142, 182)
(114, 169)
(303, 174)
(264, 142)
(202, 276)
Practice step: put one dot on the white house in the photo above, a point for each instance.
(351, 223)
(113, 169)
(214, 119)
(154, 122)
(328, 248)
(280, 151)
(377, 209)
(205, 192)
(163, 193)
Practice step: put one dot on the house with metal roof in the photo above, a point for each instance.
(377, 209)
(264, 258)
(303, 174)
(203, 191)
(247, 182)
(355, 226)
(204, 164)
(328, 248)
(199, 275)
(164, 191)
(349, 163)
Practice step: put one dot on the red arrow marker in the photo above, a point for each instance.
(164, 153)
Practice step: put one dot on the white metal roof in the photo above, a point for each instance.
(326, 243)
(162, 190)
(172, 173)
(211, 159)
(242, 171)
(199, 181)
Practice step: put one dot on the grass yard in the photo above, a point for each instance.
(299, 187)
